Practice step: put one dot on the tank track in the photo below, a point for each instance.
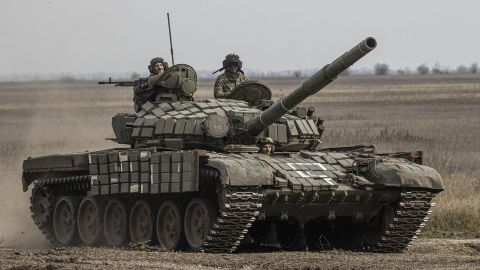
(50, 188)
(238, 209)
(67, 184)
(409, 218)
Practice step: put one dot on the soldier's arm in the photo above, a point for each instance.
(153, 79)
(218, 89)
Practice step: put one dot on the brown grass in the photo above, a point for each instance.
(438, 114)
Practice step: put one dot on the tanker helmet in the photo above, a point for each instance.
(265, 140)
(232, 59)
(154, 61)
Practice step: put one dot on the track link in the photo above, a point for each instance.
(410, 217)
(237, 211)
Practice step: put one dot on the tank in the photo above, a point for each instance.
(190, 175)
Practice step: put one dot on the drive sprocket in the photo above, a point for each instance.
(42, 203)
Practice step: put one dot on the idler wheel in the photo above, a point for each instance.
(290, 235)
(115, 224)
(199, 217)
(64, 220)
(169, 226)
(90, 220)
(141, 222)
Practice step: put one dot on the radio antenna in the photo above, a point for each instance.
(170, 34)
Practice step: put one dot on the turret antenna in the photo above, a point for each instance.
(170, 34)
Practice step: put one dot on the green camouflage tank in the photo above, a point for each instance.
(190, 176)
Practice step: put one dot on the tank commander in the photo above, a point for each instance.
(157, 67)
(266, 145)
(232, 76)
(147, 92)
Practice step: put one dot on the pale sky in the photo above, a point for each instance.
(81, 36)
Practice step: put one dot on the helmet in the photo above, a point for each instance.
(265, 140)
(154, 61)
(232, 58)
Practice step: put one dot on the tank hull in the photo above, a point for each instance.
(241, 198)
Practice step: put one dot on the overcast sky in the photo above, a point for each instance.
(40, 36)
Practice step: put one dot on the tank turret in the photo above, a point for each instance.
(233, 125)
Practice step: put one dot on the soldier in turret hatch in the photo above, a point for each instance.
(147, 92)
(232, 76)
(265, 145)
(157, 67)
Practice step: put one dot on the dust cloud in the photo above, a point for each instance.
(41, 118)
(17, 229)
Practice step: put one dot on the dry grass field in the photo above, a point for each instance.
(437, 114)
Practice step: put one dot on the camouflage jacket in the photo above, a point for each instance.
(153, 79)
(224, 85)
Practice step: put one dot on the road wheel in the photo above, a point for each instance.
(90, 220)
(169, 226)
(141, 222)
(199, 217)
(64, 220)
(115, 224)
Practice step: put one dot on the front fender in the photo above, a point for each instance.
(408, 175)
(242, 171)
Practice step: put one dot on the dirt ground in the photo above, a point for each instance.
(424, 254)
(437, 114)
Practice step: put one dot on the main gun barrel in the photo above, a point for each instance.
(311, 86)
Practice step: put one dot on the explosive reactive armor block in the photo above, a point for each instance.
(143, 171)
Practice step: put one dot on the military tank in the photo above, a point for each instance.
(189, 175)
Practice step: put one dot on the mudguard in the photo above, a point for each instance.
(36, 167)
(242, 171)
(409, 175)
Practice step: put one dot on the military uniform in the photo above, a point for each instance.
(225, 84)
(153, 79)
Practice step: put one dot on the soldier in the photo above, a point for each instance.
(157, 67)
(232, 76)
(147, 92)
(266, 145)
